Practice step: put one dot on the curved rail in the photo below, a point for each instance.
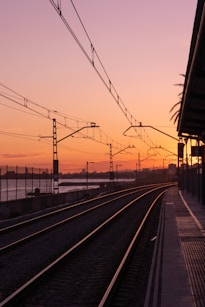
(44, 230)
(68, 207)
(126, 256)
(12, 297)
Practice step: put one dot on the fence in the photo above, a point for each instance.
(192, 180)
(22, 182)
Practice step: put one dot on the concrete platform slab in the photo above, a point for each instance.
(177, 276)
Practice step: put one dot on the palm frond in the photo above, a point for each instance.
(174, 106)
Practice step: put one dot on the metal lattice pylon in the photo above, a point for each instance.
(111, 165)
(55, 159)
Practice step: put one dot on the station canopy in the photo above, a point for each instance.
(191, 122)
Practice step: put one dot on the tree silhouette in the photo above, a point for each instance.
(176, 114)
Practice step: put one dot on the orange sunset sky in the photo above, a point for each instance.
(143, 47)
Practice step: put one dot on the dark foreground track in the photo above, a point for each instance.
(76, 264)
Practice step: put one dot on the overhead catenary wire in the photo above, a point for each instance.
(107, 83)
(17, 134)
(27, 137)
(25, 102)
(35, 109)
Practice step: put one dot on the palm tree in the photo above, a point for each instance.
(176, 114)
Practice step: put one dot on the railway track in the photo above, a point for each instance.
(30, 227)
(70, 256)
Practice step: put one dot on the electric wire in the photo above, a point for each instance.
(107, 83)
(19, 110)
(22, 136)
(98, 136)
(17, 134)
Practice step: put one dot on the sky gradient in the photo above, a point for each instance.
(144, 47)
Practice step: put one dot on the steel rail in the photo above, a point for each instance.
(18, 292)
(45, 215)
(36, 234)
(126, 255)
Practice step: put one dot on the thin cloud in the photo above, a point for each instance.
(19, 155)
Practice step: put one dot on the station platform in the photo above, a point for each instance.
(177, 276)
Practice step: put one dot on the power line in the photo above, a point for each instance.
(19, 110)
(107, 83)
(62, 119)
(21, 136)
(146, 139)
(17, 134)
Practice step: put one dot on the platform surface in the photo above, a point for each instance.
(177, 276)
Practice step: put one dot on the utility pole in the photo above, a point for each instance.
(111, 160)
(111, 165)
(87, 172)
(139, 161)
(55, 151)
(55, 159)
